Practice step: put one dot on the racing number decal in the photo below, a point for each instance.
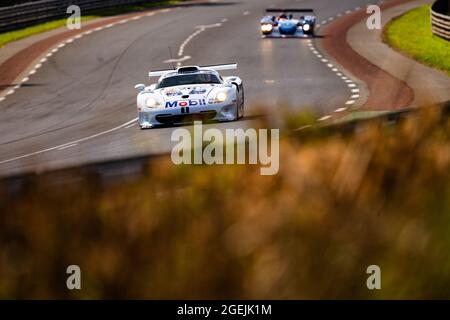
(185, 110)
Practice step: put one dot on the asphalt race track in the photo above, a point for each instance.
(79, 107)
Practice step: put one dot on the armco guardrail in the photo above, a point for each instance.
(27, 14)
(440, 19)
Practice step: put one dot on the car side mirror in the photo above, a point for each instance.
(140, 87)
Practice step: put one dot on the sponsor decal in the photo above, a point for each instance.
(197, 91)
(172, 92)
(186, 103)
(177, 92)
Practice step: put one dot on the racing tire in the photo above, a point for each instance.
(241, 114)
(237, 114)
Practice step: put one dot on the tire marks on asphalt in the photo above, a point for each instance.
(70, 40)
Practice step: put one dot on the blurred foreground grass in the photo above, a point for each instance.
(339, 204)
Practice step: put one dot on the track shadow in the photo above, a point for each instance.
(186, 124)
(209, 4)
(118, 10)
(296, 38)
(12, 85)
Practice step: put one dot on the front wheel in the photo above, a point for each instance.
(241, 105)
(239, 102)
(240, 111)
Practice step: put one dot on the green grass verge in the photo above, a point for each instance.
(411, 34)
(15, 35)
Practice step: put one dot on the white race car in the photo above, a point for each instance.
(190, 93)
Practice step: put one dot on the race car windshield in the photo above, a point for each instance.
(186, 79)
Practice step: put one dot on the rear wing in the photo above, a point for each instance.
(219, 67)
(289, 10)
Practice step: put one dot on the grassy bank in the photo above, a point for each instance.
(339, 204)
(411, 34)
(15, 35)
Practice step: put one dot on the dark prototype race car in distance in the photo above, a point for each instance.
(289, 23)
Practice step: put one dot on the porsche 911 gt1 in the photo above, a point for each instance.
(190, 93)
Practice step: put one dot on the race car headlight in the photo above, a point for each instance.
(306, 27)
(152, 103)
(266, 27)
(219, 97)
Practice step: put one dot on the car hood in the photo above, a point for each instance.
(186, 92)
